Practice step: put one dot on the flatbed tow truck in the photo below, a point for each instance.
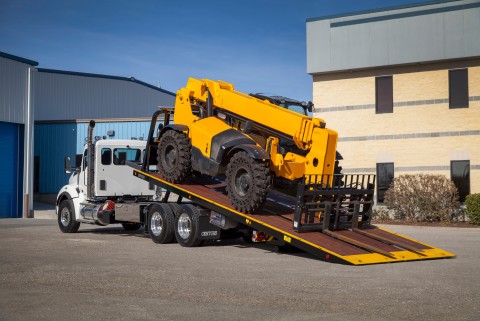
(291, 221)
(220, 159)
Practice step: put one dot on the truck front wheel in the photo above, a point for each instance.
(66, 217)
(174, 153)
(248, 182)
(160, 223)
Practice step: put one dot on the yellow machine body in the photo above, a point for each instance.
(317, 144)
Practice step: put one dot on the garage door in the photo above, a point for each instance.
(11, 170)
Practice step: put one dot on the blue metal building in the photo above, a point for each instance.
(16, 129)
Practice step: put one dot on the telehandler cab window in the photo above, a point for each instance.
(120, 155)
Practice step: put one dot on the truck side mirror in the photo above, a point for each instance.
(67, 165)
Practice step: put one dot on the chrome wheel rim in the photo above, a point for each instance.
(184, 226)
(156, 224)
(65, 216)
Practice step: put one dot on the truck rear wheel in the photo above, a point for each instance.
(175, 208)
(186, 226)
(248, 182)
(66, 217)
(173, 155)
(161, 223)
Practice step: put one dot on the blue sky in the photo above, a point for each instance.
(259, 46)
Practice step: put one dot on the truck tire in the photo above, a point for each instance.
(161, 223)
(131, 226)
(186, 226)
(66, 217)
(175, 208)
(248, 182)
(174, 156)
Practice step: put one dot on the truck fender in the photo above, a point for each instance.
(176, 127)
(254, 151)
(69, 192)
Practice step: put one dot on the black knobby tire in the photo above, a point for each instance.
(131, 226)
(161, 223)
(66, 217)
(248, 182)
(186, 226)
(174, 156)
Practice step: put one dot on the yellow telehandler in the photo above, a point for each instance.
(249, 141)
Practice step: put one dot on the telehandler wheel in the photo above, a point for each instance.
(66, 217)
(160, 223)
(248, 182)
(173, 155)
(186, 226)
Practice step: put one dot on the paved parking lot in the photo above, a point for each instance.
(108, 274)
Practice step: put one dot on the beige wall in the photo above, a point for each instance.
(354, 94)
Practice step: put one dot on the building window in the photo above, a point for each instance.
(384, 95)
(458, 88)
(460, 174)
(384, 179)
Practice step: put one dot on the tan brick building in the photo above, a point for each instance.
(402, 88)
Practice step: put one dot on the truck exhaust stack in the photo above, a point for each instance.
(91, 150)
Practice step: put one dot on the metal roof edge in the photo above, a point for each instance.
(19, 59)
(85, 74)
(356, 13)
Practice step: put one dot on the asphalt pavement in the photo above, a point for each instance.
(105, 273)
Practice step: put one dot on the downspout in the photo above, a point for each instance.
(28, 151)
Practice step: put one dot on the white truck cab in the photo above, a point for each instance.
(95, 193)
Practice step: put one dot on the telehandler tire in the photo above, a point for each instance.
(66, 217)
(173, 155)
(248, 182)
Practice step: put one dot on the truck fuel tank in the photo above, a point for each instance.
(97, 213)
